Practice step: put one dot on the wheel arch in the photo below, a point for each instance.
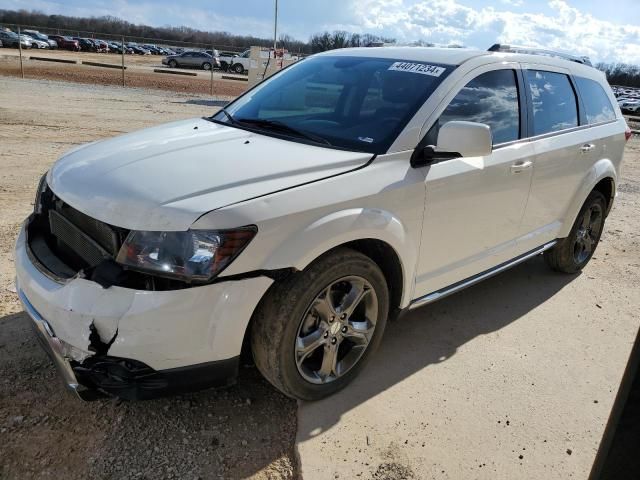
(380, 252)
(601, 177)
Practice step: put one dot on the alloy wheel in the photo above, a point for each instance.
(336, 329)
(587, 234)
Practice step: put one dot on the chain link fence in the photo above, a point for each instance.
(108, 59)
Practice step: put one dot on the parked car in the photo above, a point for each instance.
(138, 50)
(236, 63)
(101, 45)
(224, 57)
(66, 43)
(153, 49)
(35, 43)
(115, 47)
(42, 37)
(192, 59)
(353, 187)
(86, 44)
(11, 39)
(629, 104)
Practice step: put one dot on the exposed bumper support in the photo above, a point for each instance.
(55, 348)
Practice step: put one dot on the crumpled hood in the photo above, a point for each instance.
(166, 177)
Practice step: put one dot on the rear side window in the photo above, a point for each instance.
(554, 101)
(597, 106)
(490, 98)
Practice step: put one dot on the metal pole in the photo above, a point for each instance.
(20, 48)
(213, 48)
(275, 31)
(123, 47)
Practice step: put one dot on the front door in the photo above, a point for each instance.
(474, 206)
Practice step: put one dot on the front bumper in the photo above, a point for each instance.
(161, 339)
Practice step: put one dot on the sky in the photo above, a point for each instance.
(605, 30)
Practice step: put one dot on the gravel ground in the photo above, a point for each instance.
(246, 431)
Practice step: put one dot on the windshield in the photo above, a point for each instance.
(354, 103)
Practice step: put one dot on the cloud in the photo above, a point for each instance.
(450, 21)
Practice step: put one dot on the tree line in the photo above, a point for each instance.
(621, 74)
(116, 27)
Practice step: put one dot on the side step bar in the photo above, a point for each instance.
(456, 287)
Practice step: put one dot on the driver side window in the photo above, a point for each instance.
(490, 98)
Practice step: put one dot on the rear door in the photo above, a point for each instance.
(563, 147)
(474, 206)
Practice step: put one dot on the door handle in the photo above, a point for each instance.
(587, 147)
(520, 166)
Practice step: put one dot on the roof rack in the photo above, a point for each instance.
(500, 47)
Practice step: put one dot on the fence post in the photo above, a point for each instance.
(123, 47)
(213, 48)
(20, 48)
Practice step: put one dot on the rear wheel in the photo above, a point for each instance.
(238, 68)
(571, 254)
(314, 332)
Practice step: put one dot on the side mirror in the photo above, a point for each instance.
(456, 139)
(469, 139)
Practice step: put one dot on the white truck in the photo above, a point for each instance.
(235, 63)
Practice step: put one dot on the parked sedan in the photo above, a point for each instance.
(35, 43)
(117, 48)
(42, 37)
(11, 39)
(192, 59)
(66, 43)
(138, 50)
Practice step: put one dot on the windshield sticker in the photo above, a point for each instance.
(366, 139)
(421, 68)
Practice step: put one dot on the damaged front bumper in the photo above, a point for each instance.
(137, 343)
(56, 349)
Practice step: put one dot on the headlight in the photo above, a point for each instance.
(195, 255)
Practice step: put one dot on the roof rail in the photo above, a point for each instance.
(500, 47)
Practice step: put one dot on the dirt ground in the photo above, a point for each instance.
(513, 378)
(139, 72)
(245, 431)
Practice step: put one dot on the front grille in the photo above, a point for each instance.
(78, 241)
(66, 240)
(99, 231)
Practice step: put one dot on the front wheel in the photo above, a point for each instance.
(206, 66)
(313, 332)
(571, 254)
(173, 63)
(238, 68)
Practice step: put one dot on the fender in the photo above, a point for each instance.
(346, 226)
(600, 170)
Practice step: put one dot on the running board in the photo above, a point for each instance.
(456, 287)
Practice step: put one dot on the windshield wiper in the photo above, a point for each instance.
(282, 127)
(229, 116)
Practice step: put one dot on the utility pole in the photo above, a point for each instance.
(275, 31)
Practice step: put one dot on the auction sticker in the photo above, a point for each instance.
(421, 68)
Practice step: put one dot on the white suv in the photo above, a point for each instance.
(348, 188)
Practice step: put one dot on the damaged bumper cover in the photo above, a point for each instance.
(137, 343)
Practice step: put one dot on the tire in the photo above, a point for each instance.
(571, 254)
(238, 68)
(297, 308)
(206, 66)
(172, 64)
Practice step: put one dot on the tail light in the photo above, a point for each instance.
(627, 134)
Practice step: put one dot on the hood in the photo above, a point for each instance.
(166, 177)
